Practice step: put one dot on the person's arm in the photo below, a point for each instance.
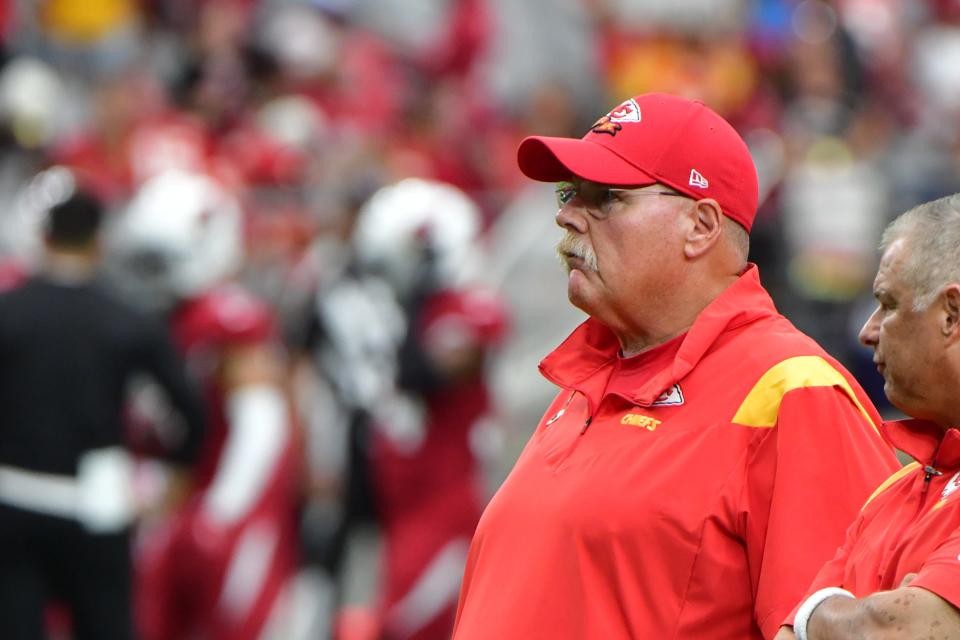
(830, 574)
(165, 364)
(906, 613)
(923, 606)
(806, 484)
(449, 338)
(258, 419)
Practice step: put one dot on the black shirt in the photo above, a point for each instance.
(67, 353)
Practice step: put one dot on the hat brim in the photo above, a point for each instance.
(550, 159)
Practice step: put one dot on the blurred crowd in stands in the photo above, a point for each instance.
(303, 109)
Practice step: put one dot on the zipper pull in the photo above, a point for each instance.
(929, 472)
(586, 424)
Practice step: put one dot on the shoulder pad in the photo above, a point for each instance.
(482, 313)
(223, 316)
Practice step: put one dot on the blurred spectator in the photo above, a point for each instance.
(89, 39)
(30, 91)
(122, 142)
(70, 348)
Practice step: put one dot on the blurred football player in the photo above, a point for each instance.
(429, 429)
(219, 567)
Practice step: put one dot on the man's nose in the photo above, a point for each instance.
(572, 218)
(870, 332)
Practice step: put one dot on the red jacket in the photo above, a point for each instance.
(688, 492)
(911, 524)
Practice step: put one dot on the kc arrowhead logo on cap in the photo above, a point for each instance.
(627, 111)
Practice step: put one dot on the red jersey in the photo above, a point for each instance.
(910, 525)
(441, 470)
(660, 495)
(429, 495)
(197, 577)
(203, 327)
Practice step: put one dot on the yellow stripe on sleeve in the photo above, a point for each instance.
(913, 466)
(762, 405)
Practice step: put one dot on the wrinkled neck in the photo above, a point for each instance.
(670, 316)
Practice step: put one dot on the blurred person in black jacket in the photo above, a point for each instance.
(68, 350)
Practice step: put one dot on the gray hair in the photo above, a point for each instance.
(932, 230)
(738, 237)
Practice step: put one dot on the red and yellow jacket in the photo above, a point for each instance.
(689, 492)
(911, 524)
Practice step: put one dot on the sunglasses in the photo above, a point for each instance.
(600, 200)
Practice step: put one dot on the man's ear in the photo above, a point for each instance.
(950, 322)
(705, 230)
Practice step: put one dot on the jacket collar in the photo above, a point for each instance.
(592, 348)
(925, 442)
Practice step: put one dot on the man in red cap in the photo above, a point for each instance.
(702, 456)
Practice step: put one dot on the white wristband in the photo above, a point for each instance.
(805, 611)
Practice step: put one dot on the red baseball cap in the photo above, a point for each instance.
(654, 137)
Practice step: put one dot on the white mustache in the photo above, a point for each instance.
(571, 245)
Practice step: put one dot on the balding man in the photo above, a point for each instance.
(898, 574)
(702, 455)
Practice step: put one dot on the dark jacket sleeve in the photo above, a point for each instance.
(160, 359)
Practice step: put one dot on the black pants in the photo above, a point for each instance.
(44, 558)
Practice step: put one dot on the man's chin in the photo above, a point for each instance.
(901, 402)
(576, 278)
(891, 392)
(578, 289)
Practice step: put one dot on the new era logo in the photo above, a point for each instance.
(697, 180)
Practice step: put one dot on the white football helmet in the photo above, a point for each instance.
(181, 234)
(417, 224)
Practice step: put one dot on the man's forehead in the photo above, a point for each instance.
(891, 262)
(892, 258)
(879, 284)
(895, 249)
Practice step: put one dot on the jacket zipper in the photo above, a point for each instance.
(586, 425)
(573, 445)
(928, 472)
